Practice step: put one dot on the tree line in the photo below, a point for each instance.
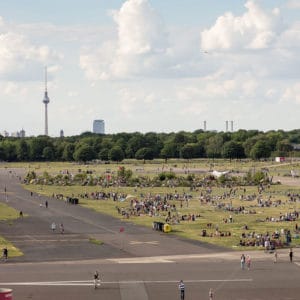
(88, 146)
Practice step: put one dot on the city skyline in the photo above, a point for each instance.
(181, 66)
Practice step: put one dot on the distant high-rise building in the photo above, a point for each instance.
(61, 133)
(46, 100)
(22, 133)
(19, 134)
(5, 133)
(98, 126)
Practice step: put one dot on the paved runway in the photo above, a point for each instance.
(138, 264)
(144, 280)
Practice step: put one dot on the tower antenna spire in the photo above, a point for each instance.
(46, 100)
(45, 78)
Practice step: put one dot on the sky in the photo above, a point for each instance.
(149, 65)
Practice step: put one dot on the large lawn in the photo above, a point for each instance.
(205, 212)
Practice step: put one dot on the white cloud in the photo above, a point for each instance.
(140, 29)
(97, 63)
(72, 94)
(18, 54)
(144, 47)
(139, 47)
(255, 29)
(133, 99)
(13, 89)
(292, 94)
(290, 38)
(293, 4)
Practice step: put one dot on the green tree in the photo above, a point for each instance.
(180, 138)
(284, 146)
(168, 151)
(233, 149)
(144, 153)
(22, 150)
(188, 151)
(48, 153)
(103, 154)
(10, 150)
(249, 143)
(68, 152)
(260, 150)
(116, 154)
(84, 153)
(136, 142)
(37, 146)
(214, 146)
(2, 153)
(153, 141)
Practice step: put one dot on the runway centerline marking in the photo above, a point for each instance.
(91, 282)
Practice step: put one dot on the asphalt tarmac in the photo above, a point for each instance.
(138, 263)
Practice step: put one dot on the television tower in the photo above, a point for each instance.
(46, 100)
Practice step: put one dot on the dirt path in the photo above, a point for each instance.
(289, 181)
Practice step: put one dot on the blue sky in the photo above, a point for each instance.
(150, 65)
(95, 11)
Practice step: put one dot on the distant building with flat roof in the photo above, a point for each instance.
(98, 126)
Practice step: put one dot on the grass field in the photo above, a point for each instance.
(8, 214)
(205, 213)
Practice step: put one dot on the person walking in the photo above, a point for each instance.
(248, 262)
(275, 256)
(97, 282)
(243, 260)
(53, 226)
(46, 204)
(62, 229)
(210, 294)
(181, 289)
(291, 254)
(5, 254)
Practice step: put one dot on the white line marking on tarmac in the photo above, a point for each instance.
(91, 282)
(141, 260)
(140, 243)
(298, 264)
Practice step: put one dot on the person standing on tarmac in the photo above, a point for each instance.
(96, 280)
(53, 226)
(243, 261)
(181, 289)
(210, 294)
(5, 253)
(62, 229)
(291, 254)
(275, 256)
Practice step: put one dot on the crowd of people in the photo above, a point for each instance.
(171, 208)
